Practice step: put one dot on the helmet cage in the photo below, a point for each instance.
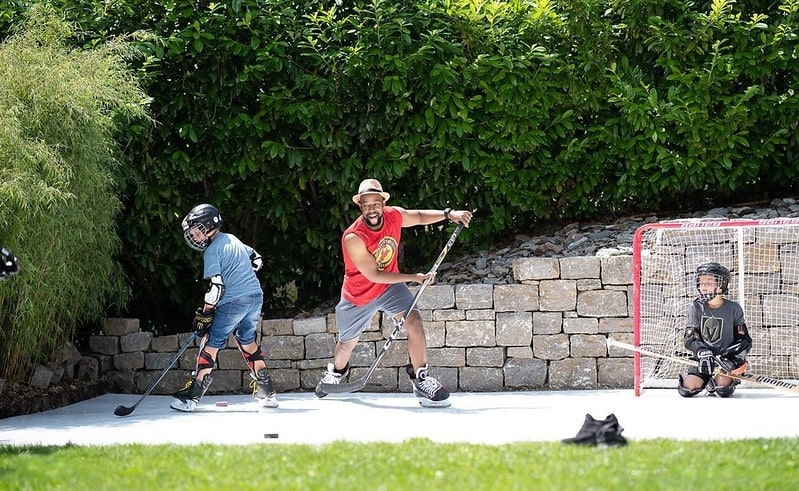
(199, 225)
(719, 273)
(198, 244)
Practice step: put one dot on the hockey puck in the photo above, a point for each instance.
(270, 435)
(222, 403)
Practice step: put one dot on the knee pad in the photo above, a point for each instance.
(251, 358)
(686, 392)
(725, 390)
(205, 360)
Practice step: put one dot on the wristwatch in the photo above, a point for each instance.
(446, 213)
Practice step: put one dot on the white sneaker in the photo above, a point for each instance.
(331, 376)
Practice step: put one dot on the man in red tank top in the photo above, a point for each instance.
(373, 282)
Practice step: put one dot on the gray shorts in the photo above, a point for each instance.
(351, 319)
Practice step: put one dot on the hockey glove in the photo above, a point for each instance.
(733, 365)
(706, 361)
(202, 322)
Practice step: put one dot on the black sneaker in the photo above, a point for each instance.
(189, 396)
(263, 389)
(587, 434)
(609, 432)
(427, 389)
(604, 432)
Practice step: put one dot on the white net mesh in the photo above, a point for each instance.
(763, 259)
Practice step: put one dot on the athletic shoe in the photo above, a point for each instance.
(189, 396)
(587, 433)
(263, 389)
(609, 432)
(331, 376)
(599, 432)
(427, 389)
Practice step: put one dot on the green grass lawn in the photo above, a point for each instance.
(413, 465)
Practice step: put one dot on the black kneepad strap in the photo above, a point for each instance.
(251, 358)
(255, 355)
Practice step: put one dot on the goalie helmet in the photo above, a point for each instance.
(199, 224)
(716, 270)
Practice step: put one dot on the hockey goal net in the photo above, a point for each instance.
(763, 259)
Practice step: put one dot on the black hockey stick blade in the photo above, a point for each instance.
(359, 384)
(348, 387)
(126, 410)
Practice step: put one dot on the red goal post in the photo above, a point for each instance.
(763, 259)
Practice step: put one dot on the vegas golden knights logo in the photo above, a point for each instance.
(712, 327)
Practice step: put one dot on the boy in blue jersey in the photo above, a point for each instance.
(232, 305)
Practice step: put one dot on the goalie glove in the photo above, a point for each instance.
(202, 322)
(706, 361)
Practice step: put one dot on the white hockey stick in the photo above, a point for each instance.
(748, 377)
(359, 384)
(126, 410)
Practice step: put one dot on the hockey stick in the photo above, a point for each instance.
(125, 410)
(361, 382)
(747, 377)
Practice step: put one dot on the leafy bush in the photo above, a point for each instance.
(526, 112)
(58, 203)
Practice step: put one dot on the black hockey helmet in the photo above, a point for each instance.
(205, 218)
(721, 273)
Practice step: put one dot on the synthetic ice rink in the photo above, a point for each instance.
(486, 418)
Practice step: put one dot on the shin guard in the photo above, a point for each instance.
(250, 358)
(205, 360)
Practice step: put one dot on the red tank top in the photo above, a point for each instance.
(383, 244)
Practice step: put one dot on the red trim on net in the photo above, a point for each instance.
(636, 267)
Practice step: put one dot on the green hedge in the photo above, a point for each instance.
(524, 111)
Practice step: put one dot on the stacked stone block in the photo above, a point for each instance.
(546, 332)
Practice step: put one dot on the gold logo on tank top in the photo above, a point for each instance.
(385, 252)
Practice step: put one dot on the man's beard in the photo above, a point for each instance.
(374, 222)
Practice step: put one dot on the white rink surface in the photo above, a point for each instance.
(484, 418)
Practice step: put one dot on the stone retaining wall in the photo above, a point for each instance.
(547, 331)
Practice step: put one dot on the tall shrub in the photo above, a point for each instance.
(59, 108)
(526, 111)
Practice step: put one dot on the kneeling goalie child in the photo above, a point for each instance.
(716, 333)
